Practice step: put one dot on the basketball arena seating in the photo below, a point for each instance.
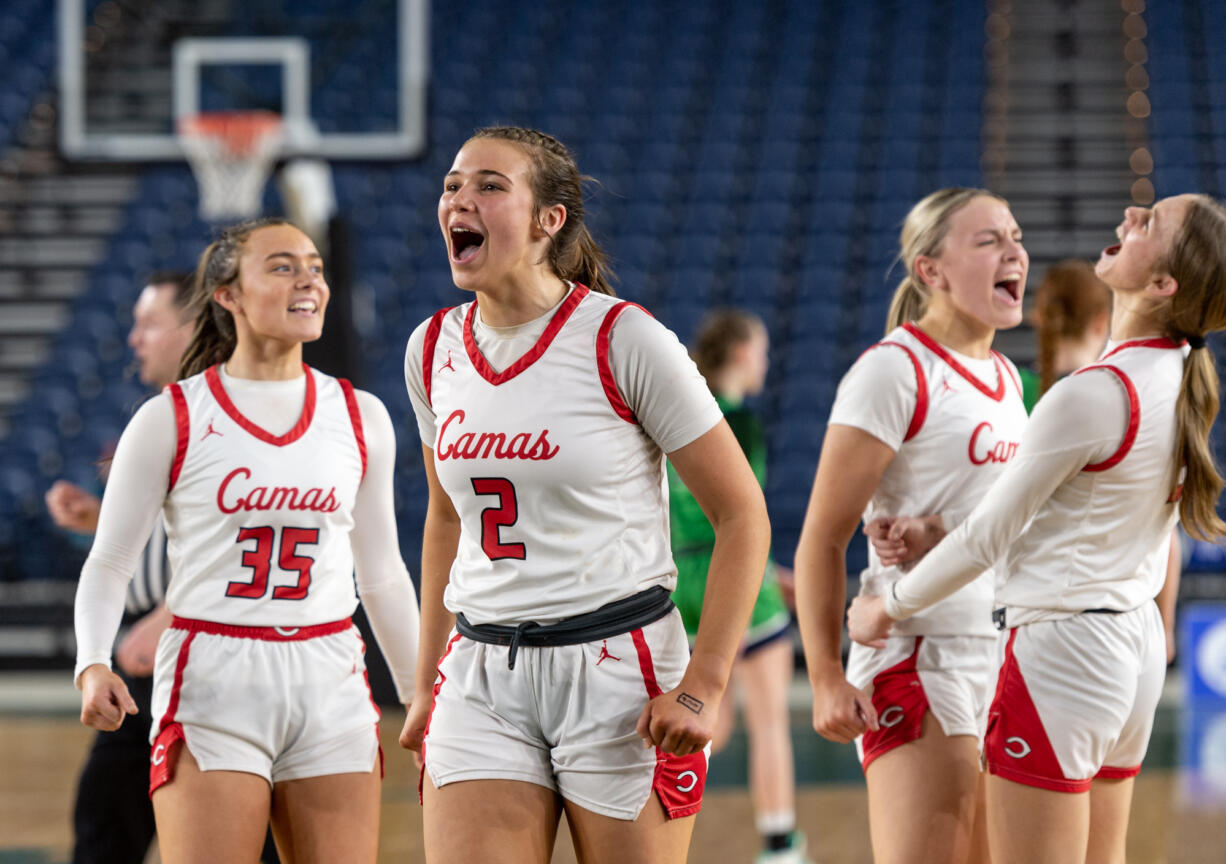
(746, 156)
(27, 59)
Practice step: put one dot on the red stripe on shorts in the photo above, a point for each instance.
(1016, 745)
(267, 634)
(170, 733)
(679, 781)
(438, 686)
(901, 704)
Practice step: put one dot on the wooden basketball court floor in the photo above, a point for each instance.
(1179, 811)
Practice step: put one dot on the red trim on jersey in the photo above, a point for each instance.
(300, 428)
(901, 703)
(182, 428)
(1016, 745)
(1106, 773)
(534, 353)
(920, 414)
(1013, 376)
(1134, 418)
(266, 634)
(602, 361)
(438, 686)
(427, 352)
(355, 417)
(936, 348)
(1157, 342)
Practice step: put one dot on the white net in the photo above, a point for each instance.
(231, 154)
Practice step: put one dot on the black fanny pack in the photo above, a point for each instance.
(612, 619)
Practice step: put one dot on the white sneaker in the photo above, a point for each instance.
(794, 854)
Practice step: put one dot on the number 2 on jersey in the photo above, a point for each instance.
(493, 519)
(259, 560)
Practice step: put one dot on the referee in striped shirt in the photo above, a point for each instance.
(112, 816)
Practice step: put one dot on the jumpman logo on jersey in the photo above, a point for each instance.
(448, 364)
(946, 387)
(604, 653)
(210, 431)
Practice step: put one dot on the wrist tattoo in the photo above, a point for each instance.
(690, 702)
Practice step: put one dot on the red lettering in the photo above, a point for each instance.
(541, 449)
(999, 453)
(444, 450)
(221, 491)
(491, 445)
(274, 498)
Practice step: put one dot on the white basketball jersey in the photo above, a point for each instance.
(963, 431)
(1101, 540)
(561, 494)
(258, 524)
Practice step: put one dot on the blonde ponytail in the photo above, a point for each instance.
(1197, 262)
(910, 302)
(1195, 411)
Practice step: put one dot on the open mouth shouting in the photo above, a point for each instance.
(465, 242)
(1009, 290)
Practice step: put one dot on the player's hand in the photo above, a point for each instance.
(72, 507)
(901, 540)
(414, 731)
(867, 621)
(680, 721)
(104, 699)
(138, 649)
(841, 712)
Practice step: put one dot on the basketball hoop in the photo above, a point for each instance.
(231, 154)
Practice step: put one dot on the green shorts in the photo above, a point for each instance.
(769, 620)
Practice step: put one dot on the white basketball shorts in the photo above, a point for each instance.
(283, 703)
(1076, 699)
(951, 676)
(564, 718)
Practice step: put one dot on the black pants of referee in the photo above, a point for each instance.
(113, 817)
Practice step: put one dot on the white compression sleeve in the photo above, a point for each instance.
(1078, 422)
(135, 490)
(382, 579)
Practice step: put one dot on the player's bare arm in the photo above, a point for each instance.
(851, 465)
(714, 468)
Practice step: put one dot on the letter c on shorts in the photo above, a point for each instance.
(891, 716)
(693, 777)
(1023, 750)
(159, 754)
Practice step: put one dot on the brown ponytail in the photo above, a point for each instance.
(1197, 262)
(923, 233)
(214, 338)
(573, 253)
(1069, 298)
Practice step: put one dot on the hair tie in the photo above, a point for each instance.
(1195, 342)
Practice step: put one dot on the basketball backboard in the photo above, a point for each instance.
(348, 77)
